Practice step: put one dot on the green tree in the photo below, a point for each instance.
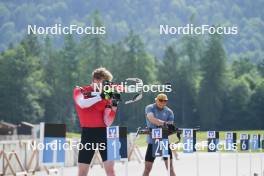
(22, 86)
(256, 107)
(236, 112)
(189, 77)
(32, 45)
(213, 83)
(50, 63)
(241, 67)
(260, 67)
(116, 59)
(68, 79)
(136, 63)
(186, 95)
(93, 50)
(169, 73)
(61, 75)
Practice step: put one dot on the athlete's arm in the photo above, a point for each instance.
(150, 116)
(109, 115)
(85, 103)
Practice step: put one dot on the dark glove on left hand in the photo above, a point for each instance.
(169, 126)
(115, 102)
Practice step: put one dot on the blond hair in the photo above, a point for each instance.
(102, 73)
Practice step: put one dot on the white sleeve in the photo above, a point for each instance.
(86, 103)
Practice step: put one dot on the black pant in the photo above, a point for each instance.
(92, 138)
(150, 158)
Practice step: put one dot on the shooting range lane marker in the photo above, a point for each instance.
(213, 140)
(126, 169)
(254, 146)
(168, 164)
(52, 157)
(243, 143)
(117, 145)
(261, 160)
(261, 171)
(197, 164)
(220, 162)
(237, 162)
(160, 145)
(188, 138)
(250, 163)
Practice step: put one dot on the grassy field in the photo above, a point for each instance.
(73, 135)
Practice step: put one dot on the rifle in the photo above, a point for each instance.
(115, 90)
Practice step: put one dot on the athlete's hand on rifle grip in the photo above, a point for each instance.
(115, 102)
(106, 95)
(169, 125)
(102, 95)
(165, 124)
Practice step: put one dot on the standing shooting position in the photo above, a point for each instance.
(157, 115)
(95, 113)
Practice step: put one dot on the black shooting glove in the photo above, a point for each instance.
(115, 103)
(171, 127)
(116, 98)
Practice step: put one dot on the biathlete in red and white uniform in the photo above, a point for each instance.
(95, 114)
